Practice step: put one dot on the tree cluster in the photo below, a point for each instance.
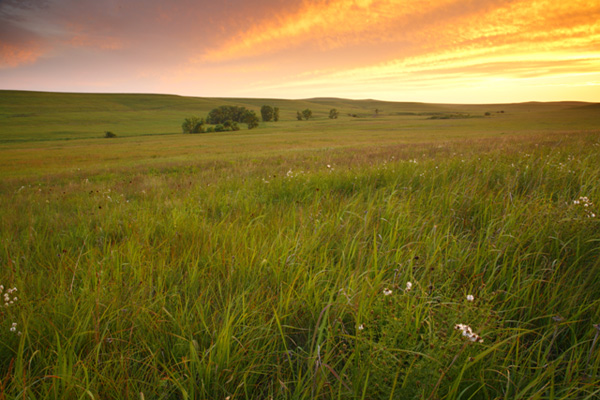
(269, 113)
(224, 118)
(222, 114)
(306, 114)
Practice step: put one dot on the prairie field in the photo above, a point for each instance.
(425, 251)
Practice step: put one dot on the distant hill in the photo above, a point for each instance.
(41, 116)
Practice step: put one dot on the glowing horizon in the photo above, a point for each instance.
(444, 51)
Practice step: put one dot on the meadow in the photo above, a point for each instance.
(385, 255)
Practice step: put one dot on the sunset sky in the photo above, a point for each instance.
(444, 51)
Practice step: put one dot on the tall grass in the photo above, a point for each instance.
(265, 278)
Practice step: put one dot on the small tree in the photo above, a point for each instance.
(267, 113)
(298, 115)
(193, 125)
(109, 135)
(333, 113)
(251, 119)
(307, 114)
(275, 114)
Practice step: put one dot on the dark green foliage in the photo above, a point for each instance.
(298, 115)
(224, 113)
(333, 113)
(450, 116)
(109, 134)
(226, 126)
(228, 115)
(251, 119)
(267, 113)
(307, 114)
(193, 125)
(275, 114)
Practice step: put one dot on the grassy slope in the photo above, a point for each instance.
(38, 116)
(246, 264)
(68, 128)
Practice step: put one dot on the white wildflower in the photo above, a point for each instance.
(408, 286)
(361, 327)
(387, 292)
(468, 333)
(470, 297)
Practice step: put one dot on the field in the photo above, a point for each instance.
(300, 260)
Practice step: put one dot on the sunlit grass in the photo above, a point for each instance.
(285, 274)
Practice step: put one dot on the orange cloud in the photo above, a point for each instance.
(12, 56)
(422, 26)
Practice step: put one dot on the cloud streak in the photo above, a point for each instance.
(312, 47)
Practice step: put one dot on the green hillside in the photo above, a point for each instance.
(38, 116)
(423, 251)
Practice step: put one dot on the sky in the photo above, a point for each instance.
(436, 51)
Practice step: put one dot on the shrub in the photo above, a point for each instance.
(109, 134)
(251, 119)
(193, 125)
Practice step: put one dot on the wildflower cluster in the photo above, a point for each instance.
(8, 296)
(468, 333)
(587, 206)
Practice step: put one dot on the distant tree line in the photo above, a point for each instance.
(227, 118)
(307, 114)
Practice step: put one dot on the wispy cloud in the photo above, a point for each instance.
(286, 49)
(422, 26)
(12, 56)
